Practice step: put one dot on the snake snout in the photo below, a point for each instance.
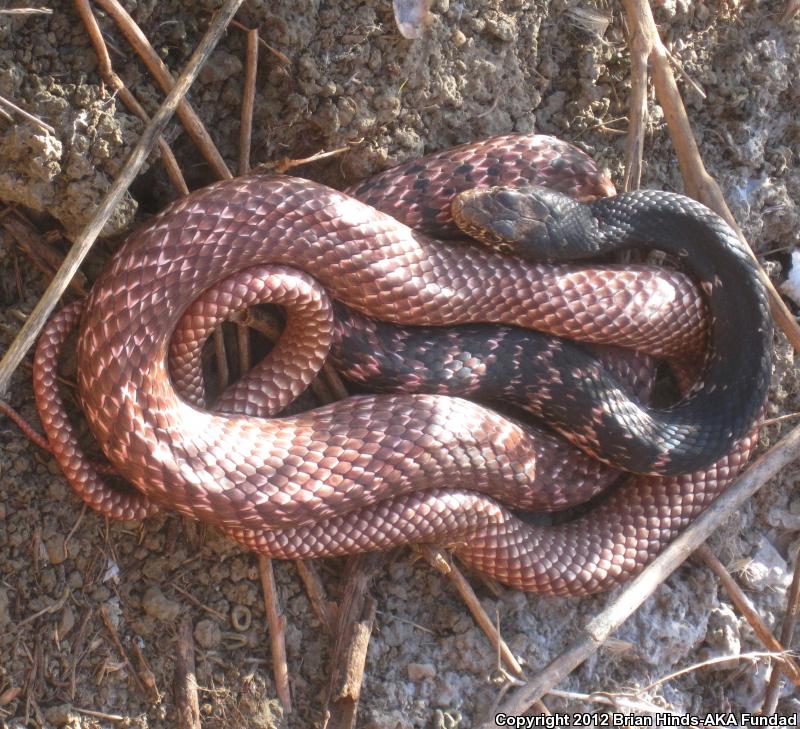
(525, 221)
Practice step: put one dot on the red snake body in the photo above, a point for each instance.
(369, 472)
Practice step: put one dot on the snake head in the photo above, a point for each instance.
(533, 222)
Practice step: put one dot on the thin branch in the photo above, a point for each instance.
(442, 562)
(248, 101)
(27, 11)
(277, 631)
(8, 104)
(753, 656)
(185, 681)
(356, 617)
(282, 57)
(325, 609)
(45, 258)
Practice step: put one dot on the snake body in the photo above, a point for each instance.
(371, 471)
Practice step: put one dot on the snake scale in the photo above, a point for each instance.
(375, 471)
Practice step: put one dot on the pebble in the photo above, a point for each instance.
(766, 568)
(67, 621)
(387, 720)
(421, 671)
(55, 549)
(207, 633)
(220, 66)
(63, 715)
(5, 618)
(157, 606)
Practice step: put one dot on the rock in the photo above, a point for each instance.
(5, 618)
(54, 545)
(421, 671)
(767, 570)
(66, 622)
(63, 715)
(387, 720)
(220, 66)
(207, 634)
(157, 606)
(723, 638)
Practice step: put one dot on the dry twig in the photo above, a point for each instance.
(443, 563)
(11, 106)
(282, 57)
(185, 681)
(356, 617)
(326, 610)
(747, 609)
(248, 100)
(112, 631)
(277, 631)
(40, 253)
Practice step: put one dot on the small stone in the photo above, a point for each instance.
(54, 545)
(207, 634)
(421, 671)
(501, 26)
(67, 621)
(5, 618)
(459, 39)
(157, 606)
(767, 570)
(220, 66)
(393, 719)
(63, 715)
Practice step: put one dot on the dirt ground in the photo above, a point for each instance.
(484, 67)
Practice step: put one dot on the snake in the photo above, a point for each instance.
(378, 470)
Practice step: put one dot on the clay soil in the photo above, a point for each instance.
(484, 67)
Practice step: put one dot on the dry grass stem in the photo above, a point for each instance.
(326, 610)
(41, 255)
(11, 106)
(356, 618)
(185, 681)
(443, 563)
(26, 11)
(282, 57)
(282, 166)
(248, 101)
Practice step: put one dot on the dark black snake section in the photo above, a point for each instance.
(534, 222)
(496, 364)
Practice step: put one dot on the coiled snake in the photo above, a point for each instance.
(375, 471)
